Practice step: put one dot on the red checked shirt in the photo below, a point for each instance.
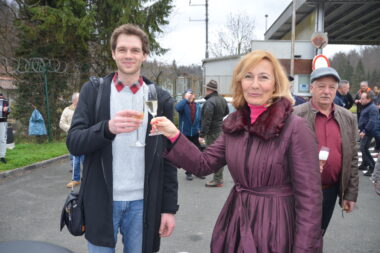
(328, 134)
(120, 85)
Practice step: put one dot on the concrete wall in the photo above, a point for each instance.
(282, 48)
(221, 71)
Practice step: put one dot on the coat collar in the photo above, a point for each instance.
(214, 93)
(268, 125)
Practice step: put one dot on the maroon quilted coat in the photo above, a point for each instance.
(276, 202)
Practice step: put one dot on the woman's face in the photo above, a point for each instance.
(259, 83)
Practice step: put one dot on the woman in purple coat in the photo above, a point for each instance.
(276, 202)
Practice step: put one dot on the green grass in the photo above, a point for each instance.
(28, 153)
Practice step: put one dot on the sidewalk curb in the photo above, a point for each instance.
(22, 170)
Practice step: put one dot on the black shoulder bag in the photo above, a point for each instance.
(72, 212)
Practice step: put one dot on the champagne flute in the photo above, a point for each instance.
(152, 103)
(138, 143)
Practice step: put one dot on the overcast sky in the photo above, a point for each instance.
(186, 40)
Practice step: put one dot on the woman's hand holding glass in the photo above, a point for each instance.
(125, 121)
(165, 126)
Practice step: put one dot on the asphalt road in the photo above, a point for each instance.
(30, 207)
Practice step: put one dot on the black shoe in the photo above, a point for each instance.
(369, 172)
(362, 167)
(189, 177)
(202, 177)
(2, 159)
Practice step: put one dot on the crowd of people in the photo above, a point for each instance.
(284, 191)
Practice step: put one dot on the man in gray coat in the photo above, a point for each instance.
(213, 112)
(336, 130)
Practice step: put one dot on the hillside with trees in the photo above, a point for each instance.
(356, 66)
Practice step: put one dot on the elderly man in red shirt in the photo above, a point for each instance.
(336, 131)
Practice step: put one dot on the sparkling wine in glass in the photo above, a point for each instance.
(138, 142)
(140, 108)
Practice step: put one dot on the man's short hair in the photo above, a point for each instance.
(129, 29)
(369, 95)
(364, 82)
(343, 82)
(74, 96)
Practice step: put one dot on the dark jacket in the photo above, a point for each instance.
(213, 112)
(186, 125)
(349, 179)
(93, 139)
(298, 100)
(369, 120)
(277, 191)
(357, 97)
(345, 101)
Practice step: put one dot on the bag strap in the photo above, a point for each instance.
(97, 83)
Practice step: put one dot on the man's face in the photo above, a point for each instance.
(344, 89)
(364, 100)
(189, 96)
(128, 54)
(323, 91)
(363, 86)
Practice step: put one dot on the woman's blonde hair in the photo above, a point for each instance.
(282, 87)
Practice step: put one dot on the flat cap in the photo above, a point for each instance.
(323, 72)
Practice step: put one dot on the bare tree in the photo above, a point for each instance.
(235, 38)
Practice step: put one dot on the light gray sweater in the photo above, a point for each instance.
(128, 161)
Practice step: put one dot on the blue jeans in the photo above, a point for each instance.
(128, 218)
(75, 163)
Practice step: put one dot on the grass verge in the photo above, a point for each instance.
(28, 153)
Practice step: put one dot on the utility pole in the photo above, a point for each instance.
(266, 22)
(292, 51)
(202, 20)
(320, 20)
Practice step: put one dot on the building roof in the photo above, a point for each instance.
(223, 58)
(354, 22)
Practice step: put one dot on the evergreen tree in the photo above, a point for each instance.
(112, 13)
(76, 34)
(58, 30)
(359, 75)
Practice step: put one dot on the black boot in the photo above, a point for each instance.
(362, 167)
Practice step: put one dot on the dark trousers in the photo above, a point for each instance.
(365, 142)
(377, 146)
(194, 139)
(329, 200)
